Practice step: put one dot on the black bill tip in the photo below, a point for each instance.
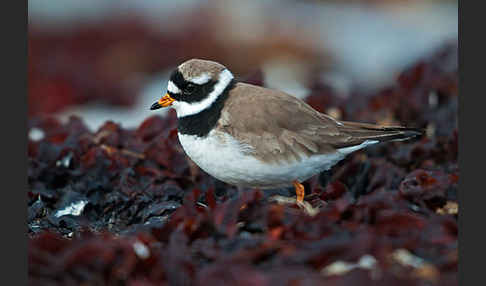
(155, 106)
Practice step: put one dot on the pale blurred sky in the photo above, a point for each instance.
(369, 45)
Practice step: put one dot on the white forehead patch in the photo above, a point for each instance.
(184, 108)
(172, 88)
(202, 79)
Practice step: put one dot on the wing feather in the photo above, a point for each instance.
(280, 127)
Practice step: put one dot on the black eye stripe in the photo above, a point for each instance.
(177, 78)
(200, 91)
(176, 96)
(190, 87)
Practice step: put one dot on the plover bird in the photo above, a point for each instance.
(255, 137)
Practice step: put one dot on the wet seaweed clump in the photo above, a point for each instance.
(126, 207)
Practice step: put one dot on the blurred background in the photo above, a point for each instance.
(110, 60)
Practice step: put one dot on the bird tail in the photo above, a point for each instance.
(361, 132)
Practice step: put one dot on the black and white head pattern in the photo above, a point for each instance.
(199, 89)
(196, 85)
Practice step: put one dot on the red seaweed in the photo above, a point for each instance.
(119, 206)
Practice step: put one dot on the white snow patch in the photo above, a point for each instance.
(341, 267)
(141, 249)
(75, 209)
(36, 134)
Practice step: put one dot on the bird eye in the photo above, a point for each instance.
(189, 88)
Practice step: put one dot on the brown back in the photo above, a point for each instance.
(280, 127)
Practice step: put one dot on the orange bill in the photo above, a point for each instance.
(165, 101)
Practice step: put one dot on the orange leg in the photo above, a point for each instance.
(299, 191)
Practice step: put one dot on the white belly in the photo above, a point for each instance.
(220, 156)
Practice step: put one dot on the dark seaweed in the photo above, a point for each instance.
(151, 217)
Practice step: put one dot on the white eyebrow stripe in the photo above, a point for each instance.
(172, 88)
(202, 79)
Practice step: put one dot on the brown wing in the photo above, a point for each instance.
(280, 127)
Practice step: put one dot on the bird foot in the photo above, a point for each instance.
(299, 191)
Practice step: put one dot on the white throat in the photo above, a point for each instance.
(184, 108)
